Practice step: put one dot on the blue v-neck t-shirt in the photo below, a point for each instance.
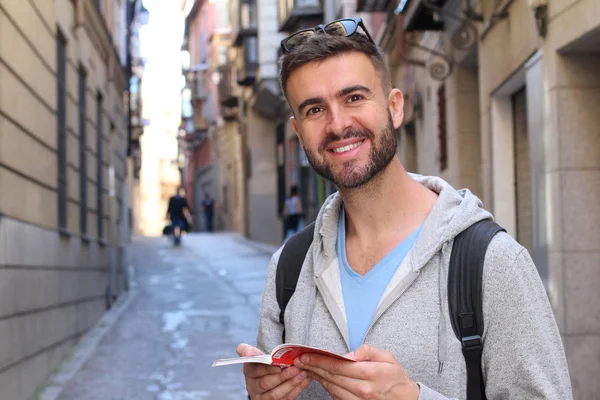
(363, 292)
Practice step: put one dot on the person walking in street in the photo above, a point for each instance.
(178, 213)
(375, 282)
(209, 211)
(292, 212)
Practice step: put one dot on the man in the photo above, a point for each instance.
(209, 207)
(374, 281)
(177, 213)
(292, 212)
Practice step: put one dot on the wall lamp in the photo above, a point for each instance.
(540, 13)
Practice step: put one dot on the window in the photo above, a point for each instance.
(442, 131)
(99, 166)
(222, 55)
(252, 50)
(82, 153)
(61, 117)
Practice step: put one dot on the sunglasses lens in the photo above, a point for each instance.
(297, 39)
(344, 27)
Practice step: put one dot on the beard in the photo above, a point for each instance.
(353, 175)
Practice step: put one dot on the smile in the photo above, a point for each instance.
(349, 147)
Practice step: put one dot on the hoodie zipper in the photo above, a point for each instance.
(387, 307)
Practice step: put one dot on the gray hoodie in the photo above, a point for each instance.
(523, 356)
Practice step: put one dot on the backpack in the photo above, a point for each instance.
(464, 290)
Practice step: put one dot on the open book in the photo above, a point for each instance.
(282, 355)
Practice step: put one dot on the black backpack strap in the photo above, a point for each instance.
(465, 300)
(289, 266)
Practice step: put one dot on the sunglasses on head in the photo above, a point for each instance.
(341, 27)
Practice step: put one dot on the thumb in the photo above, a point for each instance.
(245, 350)
(370, 353)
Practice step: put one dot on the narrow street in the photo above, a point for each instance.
(194, 304)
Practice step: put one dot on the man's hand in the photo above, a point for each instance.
(376, 375)
(265, 382)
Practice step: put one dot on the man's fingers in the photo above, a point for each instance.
(370, 353)
(255, 371)
(297, 390)
(245, 350)
(252, 370)
(271, 388)
(331, 365)
(354, 385)
(337, 390)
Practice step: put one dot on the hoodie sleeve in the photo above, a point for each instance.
(269, 329)
(523, 356)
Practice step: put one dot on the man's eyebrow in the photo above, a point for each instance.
(309, 102)
(343, 92)
(355, 88)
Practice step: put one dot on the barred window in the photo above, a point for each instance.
(61, 117)
(82, 152)
(99, 166)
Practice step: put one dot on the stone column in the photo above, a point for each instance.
(573, 193)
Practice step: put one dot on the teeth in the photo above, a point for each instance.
(347, 148)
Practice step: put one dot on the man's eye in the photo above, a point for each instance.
(354, 97)
(313, 110)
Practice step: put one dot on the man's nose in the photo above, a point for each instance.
(338, 121)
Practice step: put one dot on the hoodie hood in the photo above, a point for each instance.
(452, 213)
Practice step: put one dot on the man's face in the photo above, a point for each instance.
(344, 119)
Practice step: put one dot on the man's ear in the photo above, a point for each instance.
(396, 107)
(297, 129)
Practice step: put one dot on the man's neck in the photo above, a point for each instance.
(392, 203)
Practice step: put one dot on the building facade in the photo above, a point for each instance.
(500, 98)
(137, 19)
(63, 143)
(230, 125)
(198, 119)
(256, 46)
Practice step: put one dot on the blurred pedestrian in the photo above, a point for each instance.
(292, 213)
(209, 211)
(178, 212)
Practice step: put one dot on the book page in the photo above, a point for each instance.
(261, 359)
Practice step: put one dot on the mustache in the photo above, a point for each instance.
(351, 133)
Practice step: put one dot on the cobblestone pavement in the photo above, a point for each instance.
(194, 304)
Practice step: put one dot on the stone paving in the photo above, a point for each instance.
(194, 304)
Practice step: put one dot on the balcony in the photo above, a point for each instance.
(298, 14)
(244, 17)
(198, 84)
(135, 108)
(374, 5)
(419, 17)
(192, 140)
(268, 99)
(247, 62)
(228, 93)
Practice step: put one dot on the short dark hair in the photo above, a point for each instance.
(293, 190)
(321, 47)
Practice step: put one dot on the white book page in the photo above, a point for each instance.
(261, 359)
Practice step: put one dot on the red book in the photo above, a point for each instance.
(282, 355)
